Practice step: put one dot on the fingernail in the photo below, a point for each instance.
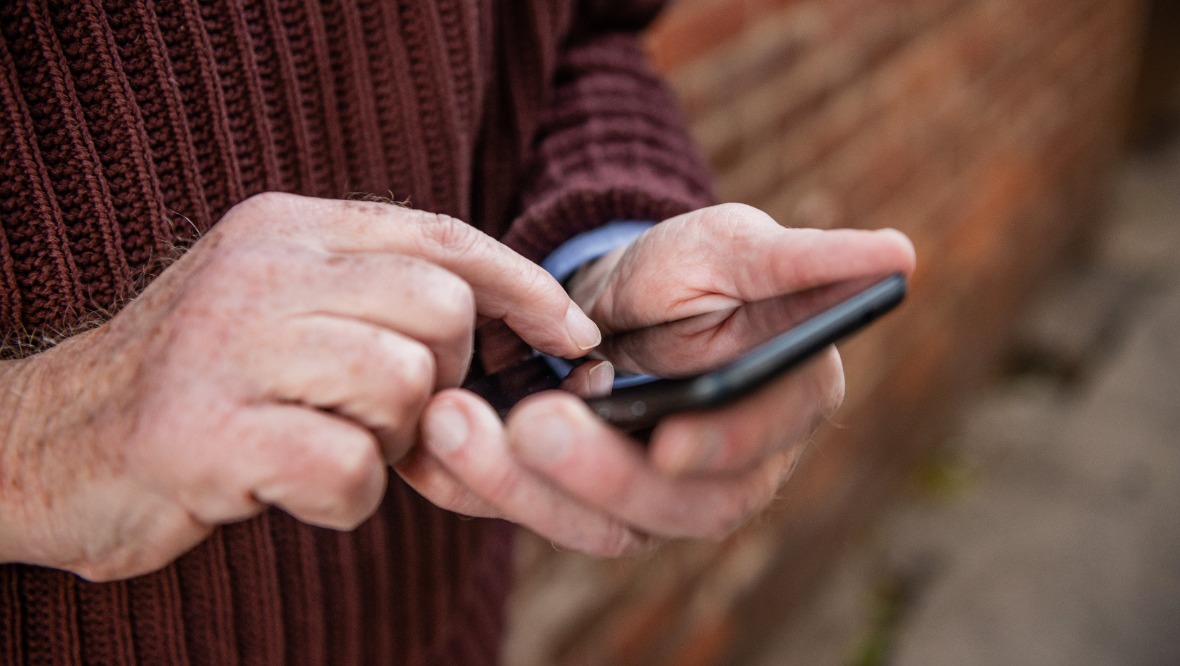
(602, 379)
(582, 331)
(546, 440)
(445, 429)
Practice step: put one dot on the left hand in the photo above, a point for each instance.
(556, 468)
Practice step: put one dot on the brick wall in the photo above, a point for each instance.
(982, 128)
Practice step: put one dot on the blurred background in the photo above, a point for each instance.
(1003, 482)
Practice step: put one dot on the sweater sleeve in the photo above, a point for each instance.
(612, 143)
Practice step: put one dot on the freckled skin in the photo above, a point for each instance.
(263, 367)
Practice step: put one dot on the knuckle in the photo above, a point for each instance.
(251, 211)
(455, 308)
(267, 200)
(540, 286)
(351, 465)
(731, 213)
(242, 278)
(349, 500)
(447, 233)
(399, 379)
(414, 369)
(447, 301)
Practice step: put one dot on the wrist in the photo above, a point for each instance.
(35, 395)
(585, 263)
(19, 390)
(588, 284)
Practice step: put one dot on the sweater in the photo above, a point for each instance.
(128, 127)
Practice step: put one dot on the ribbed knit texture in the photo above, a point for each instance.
(130, 127)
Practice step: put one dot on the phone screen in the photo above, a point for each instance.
(739, 346)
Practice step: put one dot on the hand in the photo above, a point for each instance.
(283, 361)
(559, 470)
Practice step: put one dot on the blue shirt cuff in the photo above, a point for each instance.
(590, 245)
(581, 250)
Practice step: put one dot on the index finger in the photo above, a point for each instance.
(507, 286)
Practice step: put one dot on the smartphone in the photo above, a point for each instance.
(706, 360)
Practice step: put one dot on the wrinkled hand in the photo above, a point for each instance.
(283, 361)
(558, 469)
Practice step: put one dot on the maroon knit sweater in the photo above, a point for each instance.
(130, 125)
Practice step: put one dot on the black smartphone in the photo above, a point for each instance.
(706, 360)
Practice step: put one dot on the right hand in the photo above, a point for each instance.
(284, 361)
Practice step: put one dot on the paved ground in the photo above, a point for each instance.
(1048, 532)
